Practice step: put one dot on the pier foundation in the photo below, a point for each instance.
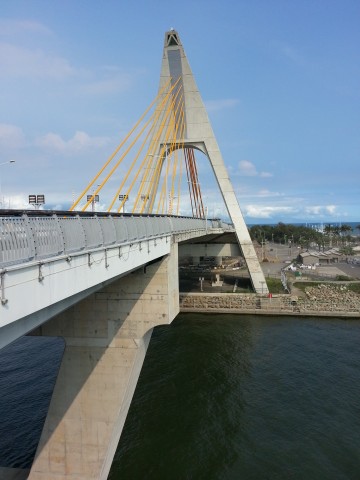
(106, 337)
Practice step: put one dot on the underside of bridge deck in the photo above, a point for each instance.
(106, 338)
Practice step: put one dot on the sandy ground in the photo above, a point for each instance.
(279, 256)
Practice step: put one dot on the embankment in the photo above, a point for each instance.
(322, 300)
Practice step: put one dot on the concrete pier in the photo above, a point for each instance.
(106, 338)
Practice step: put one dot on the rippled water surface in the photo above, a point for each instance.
(27, 377)
(219, 397)
(234, 397)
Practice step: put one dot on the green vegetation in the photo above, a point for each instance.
(343, 278)
(354, 287)
(347, 250)
(304, 236)
(275, 285)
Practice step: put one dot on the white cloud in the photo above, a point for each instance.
(18, 202)
(116, 83)
(261, 211)
(15, 27)
(248, 169)
(79, 142)
(330, 209)
(11, 137)
(313, 210)
(216, 105)
(267, 193)
(321, 210)
(22, 62)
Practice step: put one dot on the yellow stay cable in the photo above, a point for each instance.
(118, 163)
(174, 148)
(156, 174)
(177, 164)
(162, 197)
(155, 114)
(129, 171)
(154, 142)
(117, 150)
(154, 180)
(181, 162)
(138, 172)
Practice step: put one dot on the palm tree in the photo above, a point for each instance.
(345, 228)
(328, 230)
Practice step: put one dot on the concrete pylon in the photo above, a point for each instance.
(106, 338)
(198, 134)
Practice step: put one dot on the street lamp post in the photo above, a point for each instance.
(124, 199)
(3, 163)
(94, 199)
(36, 200)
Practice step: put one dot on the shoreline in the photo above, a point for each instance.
(275, 305)
(282, 313)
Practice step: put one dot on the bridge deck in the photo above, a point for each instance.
(52, 260)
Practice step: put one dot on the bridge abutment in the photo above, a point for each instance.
(106, 336)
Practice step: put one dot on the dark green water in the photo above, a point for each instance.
(234, 397)
(219, 397)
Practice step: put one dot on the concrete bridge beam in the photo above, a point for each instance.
(106, 338)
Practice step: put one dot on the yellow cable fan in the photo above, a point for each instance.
(155, 152)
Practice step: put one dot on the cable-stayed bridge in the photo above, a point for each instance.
(53, 260)
(102, 281)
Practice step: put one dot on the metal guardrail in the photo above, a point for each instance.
(27, 237)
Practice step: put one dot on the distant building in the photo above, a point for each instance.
(321, 258)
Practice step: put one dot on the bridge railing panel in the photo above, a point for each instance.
(48, 239)
(155, 227)
(216, 223)
(140, 227)
(149, 227)
(108, 230)
(73, 233)
(16, 241)
(93, 232)
(188, 224)
(120, 229)
(131, 228)
(29, 237)
(165, 225)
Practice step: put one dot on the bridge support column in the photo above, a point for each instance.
(218, 261)
(106, 337)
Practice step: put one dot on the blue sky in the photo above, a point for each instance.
(280, 80)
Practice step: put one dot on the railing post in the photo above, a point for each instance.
(2, 287)
(60, 231)
(30, 235)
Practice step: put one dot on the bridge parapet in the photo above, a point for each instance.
(28, 237)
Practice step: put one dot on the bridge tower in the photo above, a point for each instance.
(197, 134)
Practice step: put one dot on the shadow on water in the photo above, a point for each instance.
(219, 397)
(245, 397)
(28, 369)
(191, 387)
